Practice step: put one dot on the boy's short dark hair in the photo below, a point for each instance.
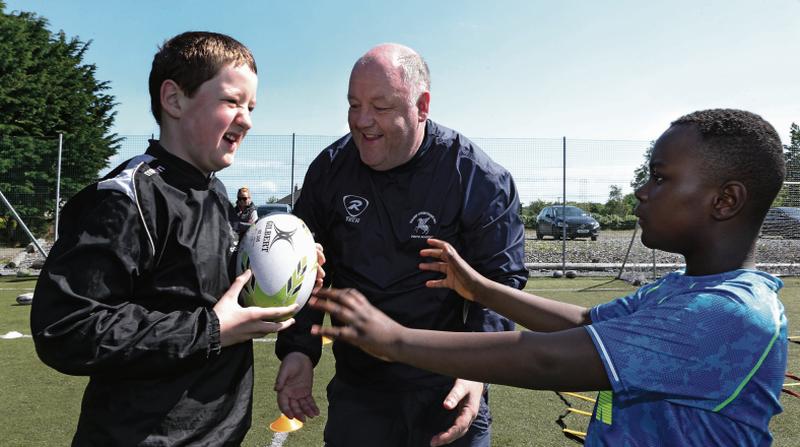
(742, 146)
(192, 58)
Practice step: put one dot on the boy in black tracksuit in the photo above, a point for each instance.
(137, 291)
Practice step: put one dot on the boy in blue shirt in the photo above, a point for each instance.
(695, 358)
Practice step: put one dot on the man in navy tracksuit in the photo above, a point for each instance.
(372, 199)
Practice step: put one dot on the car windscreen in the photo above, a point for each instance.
(571, 212)
(792, 212)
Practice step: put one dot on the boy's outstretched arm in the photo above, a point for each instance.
(563, 360)
(533, 312)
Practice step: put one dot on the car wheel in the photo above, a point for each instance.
(594, 238)
(539, 236)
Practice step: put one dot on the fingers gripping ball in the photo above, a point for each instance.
(280, 251)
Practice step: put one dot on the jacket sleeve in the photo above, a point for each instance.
(493, 236)
(298, 338)
(88, 317)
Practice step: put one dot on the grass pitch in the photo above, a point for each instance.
(40, 406)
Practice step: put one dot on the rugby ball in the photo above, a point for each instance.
(280, 251)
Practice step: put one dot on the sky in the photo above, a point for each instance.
(609, 70)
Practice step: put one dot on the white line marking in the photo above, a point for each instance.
(12, 335)
(278, 439)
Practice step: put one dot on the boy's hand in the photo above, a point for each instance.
(238, 324)
(459, 276)
(320, 271)
(365, 326)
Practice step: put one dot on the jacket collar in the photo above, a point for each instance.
(176, 171)
(427, 141)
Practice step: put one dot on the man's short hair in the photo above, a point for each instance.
(413, 69)
(192, 58)
(741, 146)
(416, 74)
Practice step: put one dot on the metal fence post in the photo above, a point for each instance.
(291, 177)
(564, 205)
(22, 224)
(654, 265)
(58, 183)
(628, 252)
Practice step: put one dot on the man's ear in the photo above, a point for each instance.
(729, 201)
(171, 95)
(423, 106)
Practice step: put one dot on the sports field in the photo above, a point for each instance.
(40, 406)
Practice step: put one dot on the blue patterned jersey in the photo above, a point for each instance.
(692, 360)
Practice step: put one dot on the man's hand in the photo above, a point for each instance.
(320, 270)
(459, 276)
(364, 325)
(465, 398)
(238, 324)
(294, 384)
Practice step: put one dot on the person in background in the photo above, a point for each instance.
(244, 215)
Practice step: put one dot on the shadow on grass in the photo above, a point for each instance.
(599, 285)
(561, 422)
(19, 279)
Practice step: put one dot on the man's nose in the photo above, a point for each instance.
(364, 117)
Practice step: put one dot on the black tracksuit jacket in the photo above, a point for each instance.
(126, 298)
(372, 225)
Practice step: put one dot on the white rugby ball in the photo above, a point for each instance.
(280, 251)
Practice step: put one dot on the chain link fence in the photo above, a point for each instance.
(593, 175)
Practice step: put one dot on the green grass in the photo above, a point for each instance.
(40, 406)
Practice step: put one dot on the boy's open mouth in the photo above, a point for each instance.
(231, 137)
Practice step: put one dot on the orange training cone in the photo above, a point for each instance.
(326, 340)
(285, 425)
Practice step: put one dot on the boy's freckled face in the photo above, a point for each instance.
(215, 120)
(674, 204)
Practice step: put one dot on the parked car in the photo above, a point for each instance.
(783, 221)
(270, 208)
(552, 220)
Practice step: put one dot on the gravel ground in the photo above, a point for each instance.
(610, 248)
(26, 261)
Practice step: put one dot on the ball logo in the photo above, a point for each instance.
(280, 251)
(280, 235)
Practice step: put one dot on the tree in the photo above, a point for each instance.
(790, 194)
(642, 173)
(615, 204)
(47, 89)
